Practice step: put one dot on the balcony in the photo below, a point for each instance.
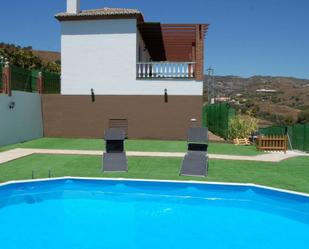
(165, 70)
(170, 51)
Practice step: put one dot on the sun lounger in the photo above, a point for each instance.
(115, 162)
(195, 162)
(114, 159)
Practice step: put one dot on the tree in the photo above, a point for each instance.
(24, 57)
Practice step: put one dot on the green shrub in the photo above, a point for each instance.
(287, 120)
(303, 117)
(242, 126)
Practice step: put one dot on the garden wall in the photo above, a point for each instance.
(22, 122)
(143, 116)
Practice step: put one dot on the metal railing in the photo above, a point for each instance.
(51, 82)
(22, 79)
(165, 70)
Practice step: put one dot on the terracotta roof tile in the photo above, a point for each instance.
(100, 13)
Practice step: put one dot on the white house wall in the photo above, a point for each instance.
(102, 55)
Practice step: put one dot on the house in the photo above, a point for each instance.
(222, 99)
(120, 71)
(263, 90)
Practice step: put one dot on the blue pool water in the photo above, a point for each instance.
(93, 214)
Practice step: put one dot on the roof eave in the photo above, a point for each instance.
(61, 18)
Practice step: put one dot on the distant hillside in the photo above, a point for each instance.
(28, 58)
(278, 99)
(47, 56)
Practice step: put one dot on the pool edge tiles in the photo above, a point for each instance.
(180, 189)
(253, 186)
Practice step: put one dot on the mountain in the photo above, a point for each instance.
(275, 99)
(47, 56)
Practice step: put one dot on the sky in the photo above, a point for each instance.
(245, 37)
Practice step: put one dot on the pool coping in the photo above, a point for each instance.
(154, 180)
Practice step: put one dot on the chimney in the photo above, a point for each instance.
(73, 6)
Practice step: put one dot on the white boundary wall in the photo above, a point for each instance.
(24, 121)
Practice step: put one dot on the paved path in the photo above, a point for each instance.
(269, 157)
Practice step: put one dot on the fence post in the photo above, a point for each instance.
(40, 83)
(306, 144)
(7, 79)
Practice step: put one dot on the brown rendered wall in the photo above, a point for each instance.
(149, 117)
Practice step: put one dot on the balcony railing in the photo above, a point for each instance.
(166, 70)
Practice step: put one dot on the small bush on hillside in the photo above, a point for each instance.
(287, 120)
(242, 126)
(303, 117)
(275, 99)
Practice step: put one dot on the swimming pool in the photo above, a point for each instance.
(113, 214)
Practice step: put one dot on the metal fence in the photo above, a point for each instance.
(26, 80)
(216, 117)
(273, 130)
(51, 82)
(298, 135)
(23, 80)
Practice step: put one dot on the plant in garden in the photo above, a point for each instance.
(303, 117)
(242, 126)
(24, 57)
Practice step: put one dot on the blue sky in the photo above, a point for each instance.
(246, 37)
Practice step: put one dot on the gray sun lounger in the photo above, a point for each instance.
(195, 162)
(115, 162)
(114, 158)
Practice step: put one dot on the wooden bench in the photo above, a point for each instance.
(241, 141)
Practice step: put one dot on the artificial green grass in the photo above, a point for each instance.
(132, 145)
(292, 174)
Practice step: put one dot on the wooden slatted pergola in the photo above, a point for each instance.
(175, 42)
